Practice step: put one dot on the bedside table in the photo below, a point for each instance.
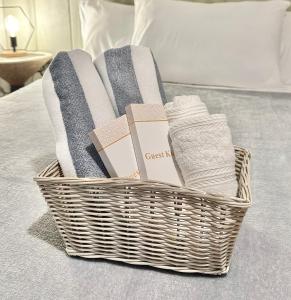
(16, 70)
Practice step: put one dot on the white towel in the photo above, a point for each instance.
(130, 75)
(77, 103)
(202, 145)
(184, 107)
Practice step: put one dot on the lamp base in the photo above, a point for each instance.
(9, 53)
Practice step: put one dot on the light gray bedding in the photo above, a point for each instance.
(33, 264)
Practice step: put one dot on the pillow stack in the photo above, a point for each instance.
(228, 44)
(105, 25)
(242, 44)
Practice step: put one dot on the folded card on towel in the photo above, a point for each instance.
(114, 144)
(149, 130)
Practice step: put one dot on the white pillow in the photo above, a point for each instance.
(105, 25)
(230, 44)
(286, 51)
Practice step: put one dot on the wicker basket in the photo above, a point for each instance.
(147, 222)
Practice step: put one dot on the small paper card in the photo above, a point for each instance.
(114, 145)
(149, 129)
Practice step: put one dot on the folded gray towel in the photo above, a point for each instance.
(130, 75)
(77, 103)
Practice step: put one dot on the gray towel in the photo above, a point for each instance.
(130, 75)
(77, 103)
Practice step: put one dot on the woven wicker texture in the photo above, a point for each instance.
(147, 222)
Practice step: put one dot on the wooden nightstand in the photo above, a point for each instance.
(16, 70)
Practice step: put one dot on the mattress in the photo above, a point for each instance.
(35, 266)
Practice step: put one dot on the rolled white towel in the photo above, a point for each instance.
(203, 147)
(184, 107)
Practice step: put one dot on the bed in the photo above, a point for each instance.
(33, 261)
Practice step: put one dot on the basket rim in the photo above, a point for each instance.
(41, 178)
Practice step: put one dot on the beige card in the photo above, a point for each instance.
(149, 132)
(114, 144)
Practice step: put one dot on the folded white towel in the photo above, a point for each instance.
(184, 107)
(203, 147)
(77, 103)
(130, 75)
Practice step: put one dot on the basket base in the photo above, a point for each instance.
(184, 270)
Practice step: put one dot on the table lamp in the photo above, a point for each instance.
(16, 33)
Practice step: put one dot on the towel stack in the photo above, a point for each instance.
(81, 96)
(202, 145)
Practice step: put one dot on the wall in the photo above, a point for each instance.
(57, 26)
(56, 21)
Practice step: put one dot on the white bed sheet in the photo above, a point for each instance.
(31, 90)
